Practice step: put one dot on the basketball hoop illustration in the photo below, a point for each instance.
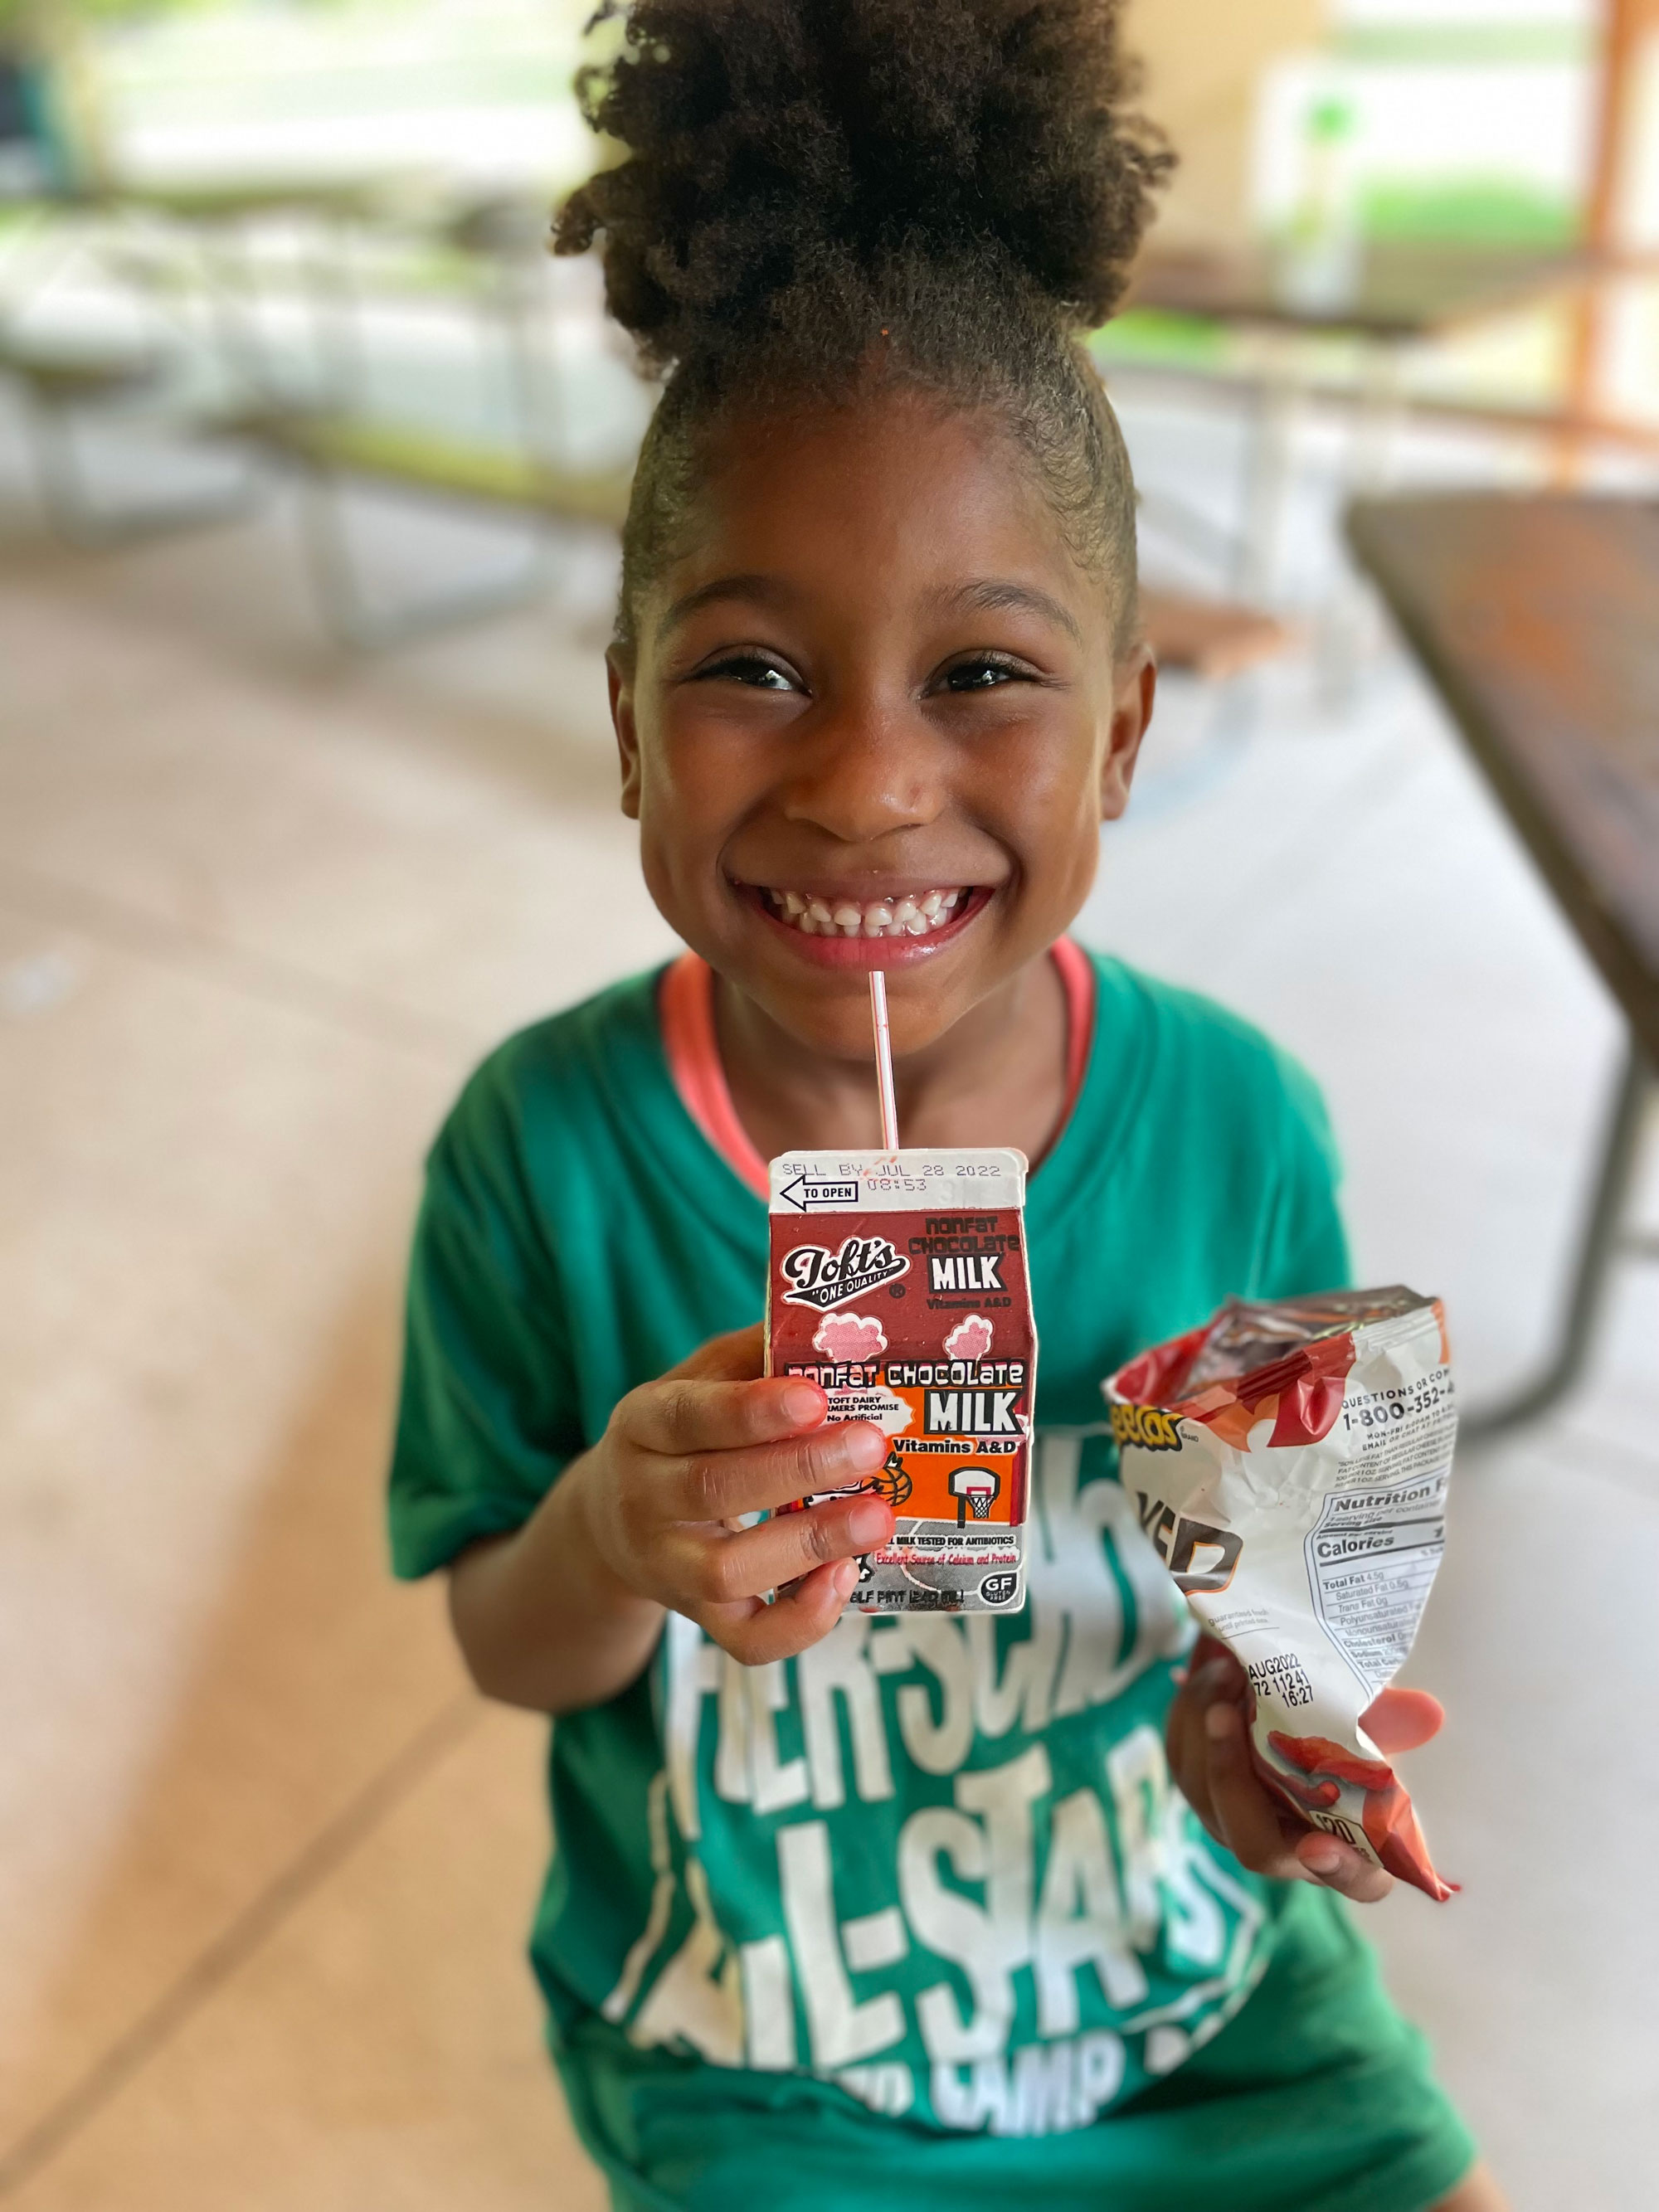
(975, 1490)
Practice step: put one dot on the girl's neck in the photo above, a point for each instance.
(997, 1078)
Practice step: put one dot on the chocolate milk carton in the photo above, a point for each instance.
(898, 1284)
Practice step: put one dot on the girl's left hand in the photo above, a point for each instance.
(1209, 1746)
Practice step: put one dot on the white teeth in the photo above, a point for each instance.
(916, 914)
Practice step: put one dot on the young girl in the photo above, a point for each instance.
(902, 1912)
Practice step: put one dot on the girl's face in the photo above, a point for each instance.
(873, 719)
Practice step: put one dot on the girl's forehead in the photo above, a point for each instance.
(893, 450)
(897, 492)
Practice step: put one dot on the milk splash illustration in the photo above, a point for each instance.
(857, 1339)
(971, 1338)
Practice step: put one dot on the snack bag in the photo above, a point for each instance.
(898, 1284)
(1289, 1463)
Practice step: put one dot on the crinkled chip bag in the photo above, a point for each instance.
(1289, 1463)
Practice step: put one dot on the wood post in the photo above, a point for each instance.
(1627, 25)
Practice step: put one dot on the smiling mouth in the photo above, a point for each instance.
(917, 913)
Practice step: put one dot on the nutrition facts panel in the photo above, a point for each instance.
(1372, 1558)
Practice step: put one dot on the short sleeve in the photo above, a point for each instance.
(487, 1415)
(1305, 1246)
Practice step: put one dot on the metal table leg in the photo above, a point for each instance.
(78, 517)
(1368, 466)
(1603, 1239)
(1270, 462)
(357, 626)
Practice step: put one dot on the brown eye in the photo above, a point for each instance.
(984, 673)
(751, 668)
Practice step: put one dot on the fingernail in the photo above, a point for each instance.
(1218, 1721)
(804, 1405)
(1321, 1858)
(866, 1524)
(844, 1577)
(862, 1448)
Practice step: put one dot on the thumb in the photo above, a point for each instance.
(1400, 1720)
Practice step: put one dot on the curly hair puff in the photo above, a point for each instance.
(822, 193)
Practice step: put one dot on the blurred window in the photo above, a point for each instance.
(1470, 120)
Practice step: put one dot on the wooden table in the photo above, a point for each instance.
(1400, 295)
(243, 199)
(1399, 292)
(1537, 617)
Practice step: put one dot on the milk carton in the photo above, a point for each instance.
(898, 1284)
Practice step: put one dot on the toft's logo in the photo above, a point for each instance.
(821, 1279)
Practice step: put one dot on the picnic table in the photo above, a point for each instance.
(1399, 294)
(1537, 618)
(1399, 291)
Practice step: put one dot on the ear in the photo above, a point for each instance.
(619, 674)
(1134, 687)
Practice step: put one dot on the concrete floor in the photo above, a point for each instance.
(265, 1866)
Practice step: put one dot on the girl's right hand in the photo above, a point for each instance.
(684, 1458)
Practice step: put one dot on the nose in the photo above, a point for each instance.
(866, 770)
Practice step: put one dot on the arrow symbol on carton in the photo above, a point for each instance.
(801, 1194)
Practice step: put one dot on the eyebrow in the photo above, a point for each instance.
(765, 590)
(999, 594)
(982, 595)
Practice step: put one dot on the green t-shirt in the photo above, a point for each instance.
(936, 1863)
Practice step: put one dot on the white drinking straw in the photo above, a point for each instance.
(883, 1061)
